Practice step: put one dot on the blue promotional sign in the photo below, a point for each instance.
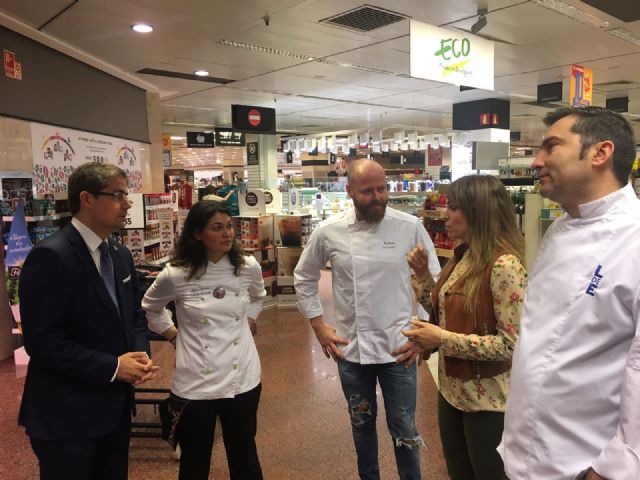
(18, 247)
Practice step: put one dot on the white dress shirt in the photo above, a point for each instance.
(575, 383)
(372, 290)
(93, 242)
(216, 356)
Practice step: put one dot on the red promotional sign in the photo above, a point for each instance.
(254, 117)
(494, 119)
(9, 63)
(484, 119)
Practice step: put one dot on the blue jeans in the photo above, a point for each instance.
(398, 385)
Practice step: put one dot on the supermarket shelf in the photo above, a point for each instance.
(40, 219)
(433, 214)
(444, 252)
(153, 222)
(148, 243)
(158, 261)
(162, 206)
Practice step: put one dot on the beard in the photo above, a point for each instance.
(370, 214)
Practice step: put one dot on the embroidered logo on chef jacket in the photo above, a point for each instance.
(388, 244)
(595, 281)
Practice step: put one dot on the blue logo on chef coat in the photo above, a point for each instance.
(595, 281)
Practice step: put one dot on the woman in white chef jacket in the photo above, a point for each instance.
(218, 294)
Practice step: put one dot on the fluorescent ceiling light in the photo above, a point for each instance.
(572, 12)
(201, 73)
(175, 137)
(142, 28)
(626, 35)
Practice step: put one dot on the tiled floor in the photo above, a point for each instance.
(303, 425)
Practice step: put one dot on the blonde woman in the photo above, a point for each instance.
(475, 314)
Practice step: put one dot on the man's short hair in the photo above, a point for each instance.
(90, 177)
(596, 124)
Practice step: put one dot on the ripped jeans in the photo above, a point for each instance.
(398, 385)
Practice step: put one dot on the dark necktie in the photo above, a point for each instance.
(106, 270)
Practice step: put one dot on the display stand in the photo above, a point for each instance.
(149, 228)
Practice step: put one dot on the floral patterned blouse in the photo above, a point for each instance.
(508, 283)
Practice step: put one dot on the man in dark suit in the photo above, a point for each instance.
(85, 333)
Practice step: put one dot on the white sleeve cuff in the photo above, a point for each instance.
(618, 461)
(310, 307)
(115, 374)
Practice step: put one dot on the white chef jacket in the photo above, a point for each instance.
(216, 356)
(575, 382)
(372, 291)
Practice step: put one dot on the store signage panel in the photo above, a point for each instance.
(449, 56)
(227, 137)
(253, 157)
(550, 92)
(135, 215)
(581, 86)
(250, 119)
(200, 140)
(58, 151)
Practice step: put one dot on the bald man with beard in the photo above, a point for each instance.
(367, 246)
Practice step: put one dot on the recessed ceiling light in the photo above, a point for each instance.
(201, 73)
(142, 28)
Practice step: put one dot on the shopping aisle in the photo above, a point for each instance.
(303, 426)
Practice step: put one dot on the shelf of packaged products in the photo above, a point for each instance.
(162, 206)
(444, 252)
(159, 260)
(432, 214)
(153, 222)
(148, 243)
(41, 218)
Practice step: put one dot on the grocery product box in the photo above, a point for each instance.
(266, 257)
(291, 230)
(286, 292)
(254, 231)
(288, 258)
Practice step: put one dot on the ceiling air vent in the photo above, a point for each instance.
(364, 19)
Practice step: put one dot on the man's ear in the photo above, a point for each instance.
(87, 199)
(602, 153)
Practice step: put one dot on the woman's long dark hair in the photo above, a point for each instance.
(190, 252)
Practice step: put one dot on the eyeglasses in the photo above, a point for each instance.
(118, 195)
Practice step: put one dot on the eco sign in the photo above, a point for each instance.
(451, 57)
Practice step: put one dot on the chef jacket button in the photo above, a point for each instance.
(237, 294)
(235, 367)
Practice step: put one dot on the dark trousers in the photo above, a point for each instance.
(100, 458)
(469, 441)
(238, 418)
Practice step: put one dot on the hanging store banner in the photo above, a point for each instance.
(450, 56)
(200, 140)
(18, 247)
(581, 86)
(253, 157)
(227, 137)
(58, 151)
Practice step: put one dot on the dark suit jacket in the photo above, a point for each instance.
(74, 335)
